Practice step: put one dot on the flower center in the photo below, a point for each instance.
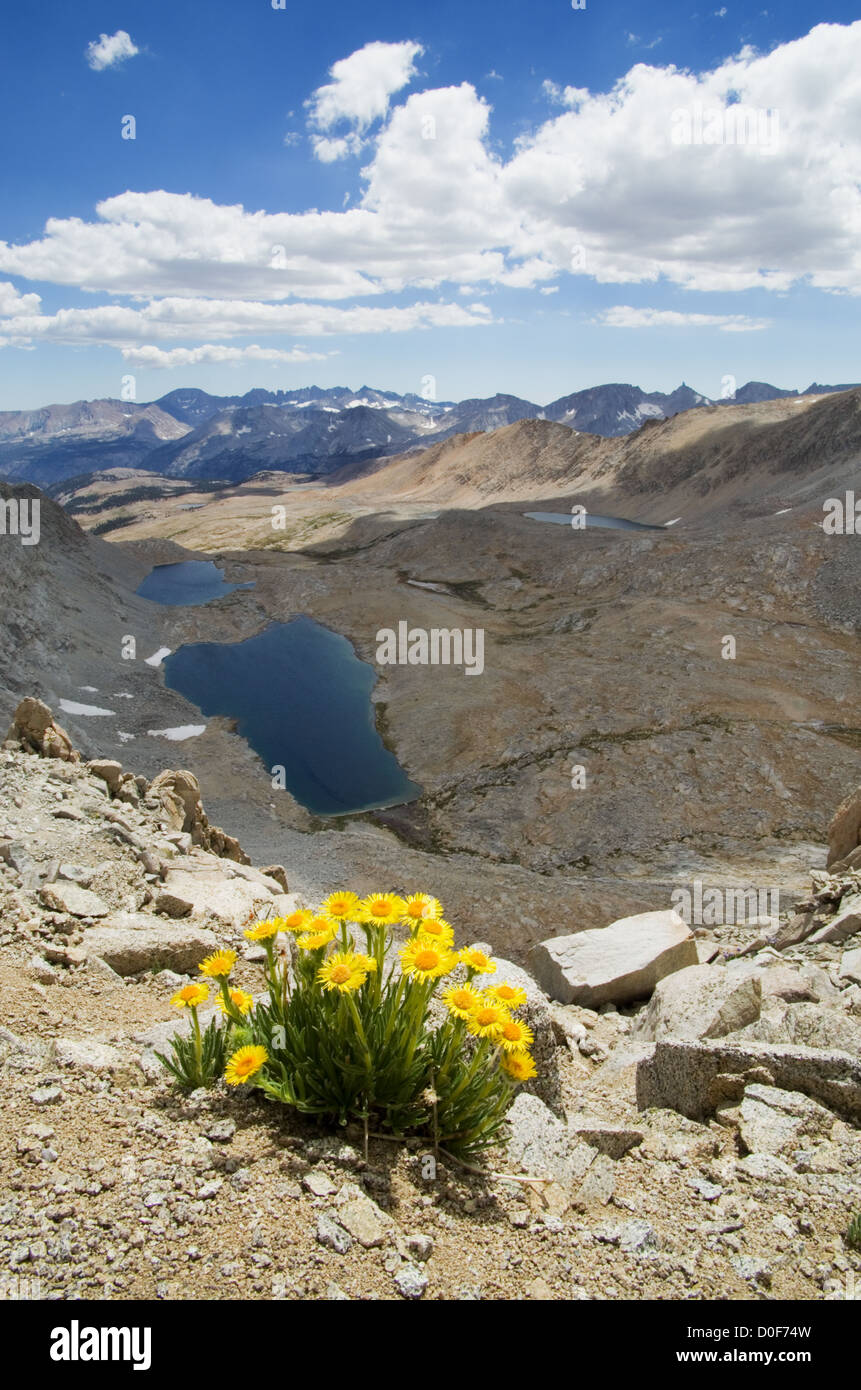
(485, 1016)
(426, 960)
(340, 974)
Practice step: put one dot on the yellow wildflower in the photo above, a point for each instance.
(240, 999)
(244, 1063)
(487, 1019)
(419, 907)
(190, 996)
(460, 1000)
(519, 1065)
(512, 996)
(344, 971)
(321, 930)
(219, 965)
(262, 930)
(515, 1036)
(425, 958)
(477, 961)
(296, 921)
(346, 907)
(439, 930)
(382, 909)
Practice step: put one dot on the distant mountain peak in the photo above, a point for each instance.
(310, 430)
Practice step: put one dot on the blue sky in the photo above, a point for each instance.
(529, 199)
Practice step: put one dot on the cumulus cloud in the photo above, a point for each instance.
(151, 356)
(623, 316)
(109, 50)
(605, 174)
(358, 95)
(649, 181)
(13, 304)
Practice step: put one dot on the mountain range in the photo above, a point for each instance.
(190, 434)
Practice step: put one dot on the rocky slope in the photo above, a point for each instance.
(703, 1143)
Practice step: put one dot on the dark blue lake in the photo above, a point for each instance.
(187, 585)
(615, 523)
(302, 699)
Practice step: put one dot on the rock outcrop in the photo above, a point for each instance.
(34, 729)
(614, 964)
(844, 832)
(178, 794)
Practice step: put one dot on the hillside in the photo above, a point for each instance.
(696, 461)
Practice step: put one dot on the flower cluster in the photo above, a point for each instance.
(346, 1033)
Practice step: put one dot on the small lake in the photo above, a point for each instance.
(187, 585)
(302, 700)
(615, 523)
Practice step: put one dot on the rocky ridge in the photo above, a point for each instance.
(702, 1142)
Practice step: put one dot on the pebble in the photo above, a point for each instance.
(755, 1271)
(330, 1234)
(709, 1191)
(411, 1281)
(221, 1131)
(318, 1183)
(420, 1246)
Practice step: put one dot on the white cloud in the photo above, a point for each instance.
(624, 316)
(440, 205)
(441, 208)
(109, 50)
(13, 304)
(358, 95)
(553, 92)
(124, 327)
(151, 356)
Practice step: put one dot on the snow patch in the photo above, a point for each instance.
(124, 737)
(179, 733)
(72, 707)
(157, 657)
